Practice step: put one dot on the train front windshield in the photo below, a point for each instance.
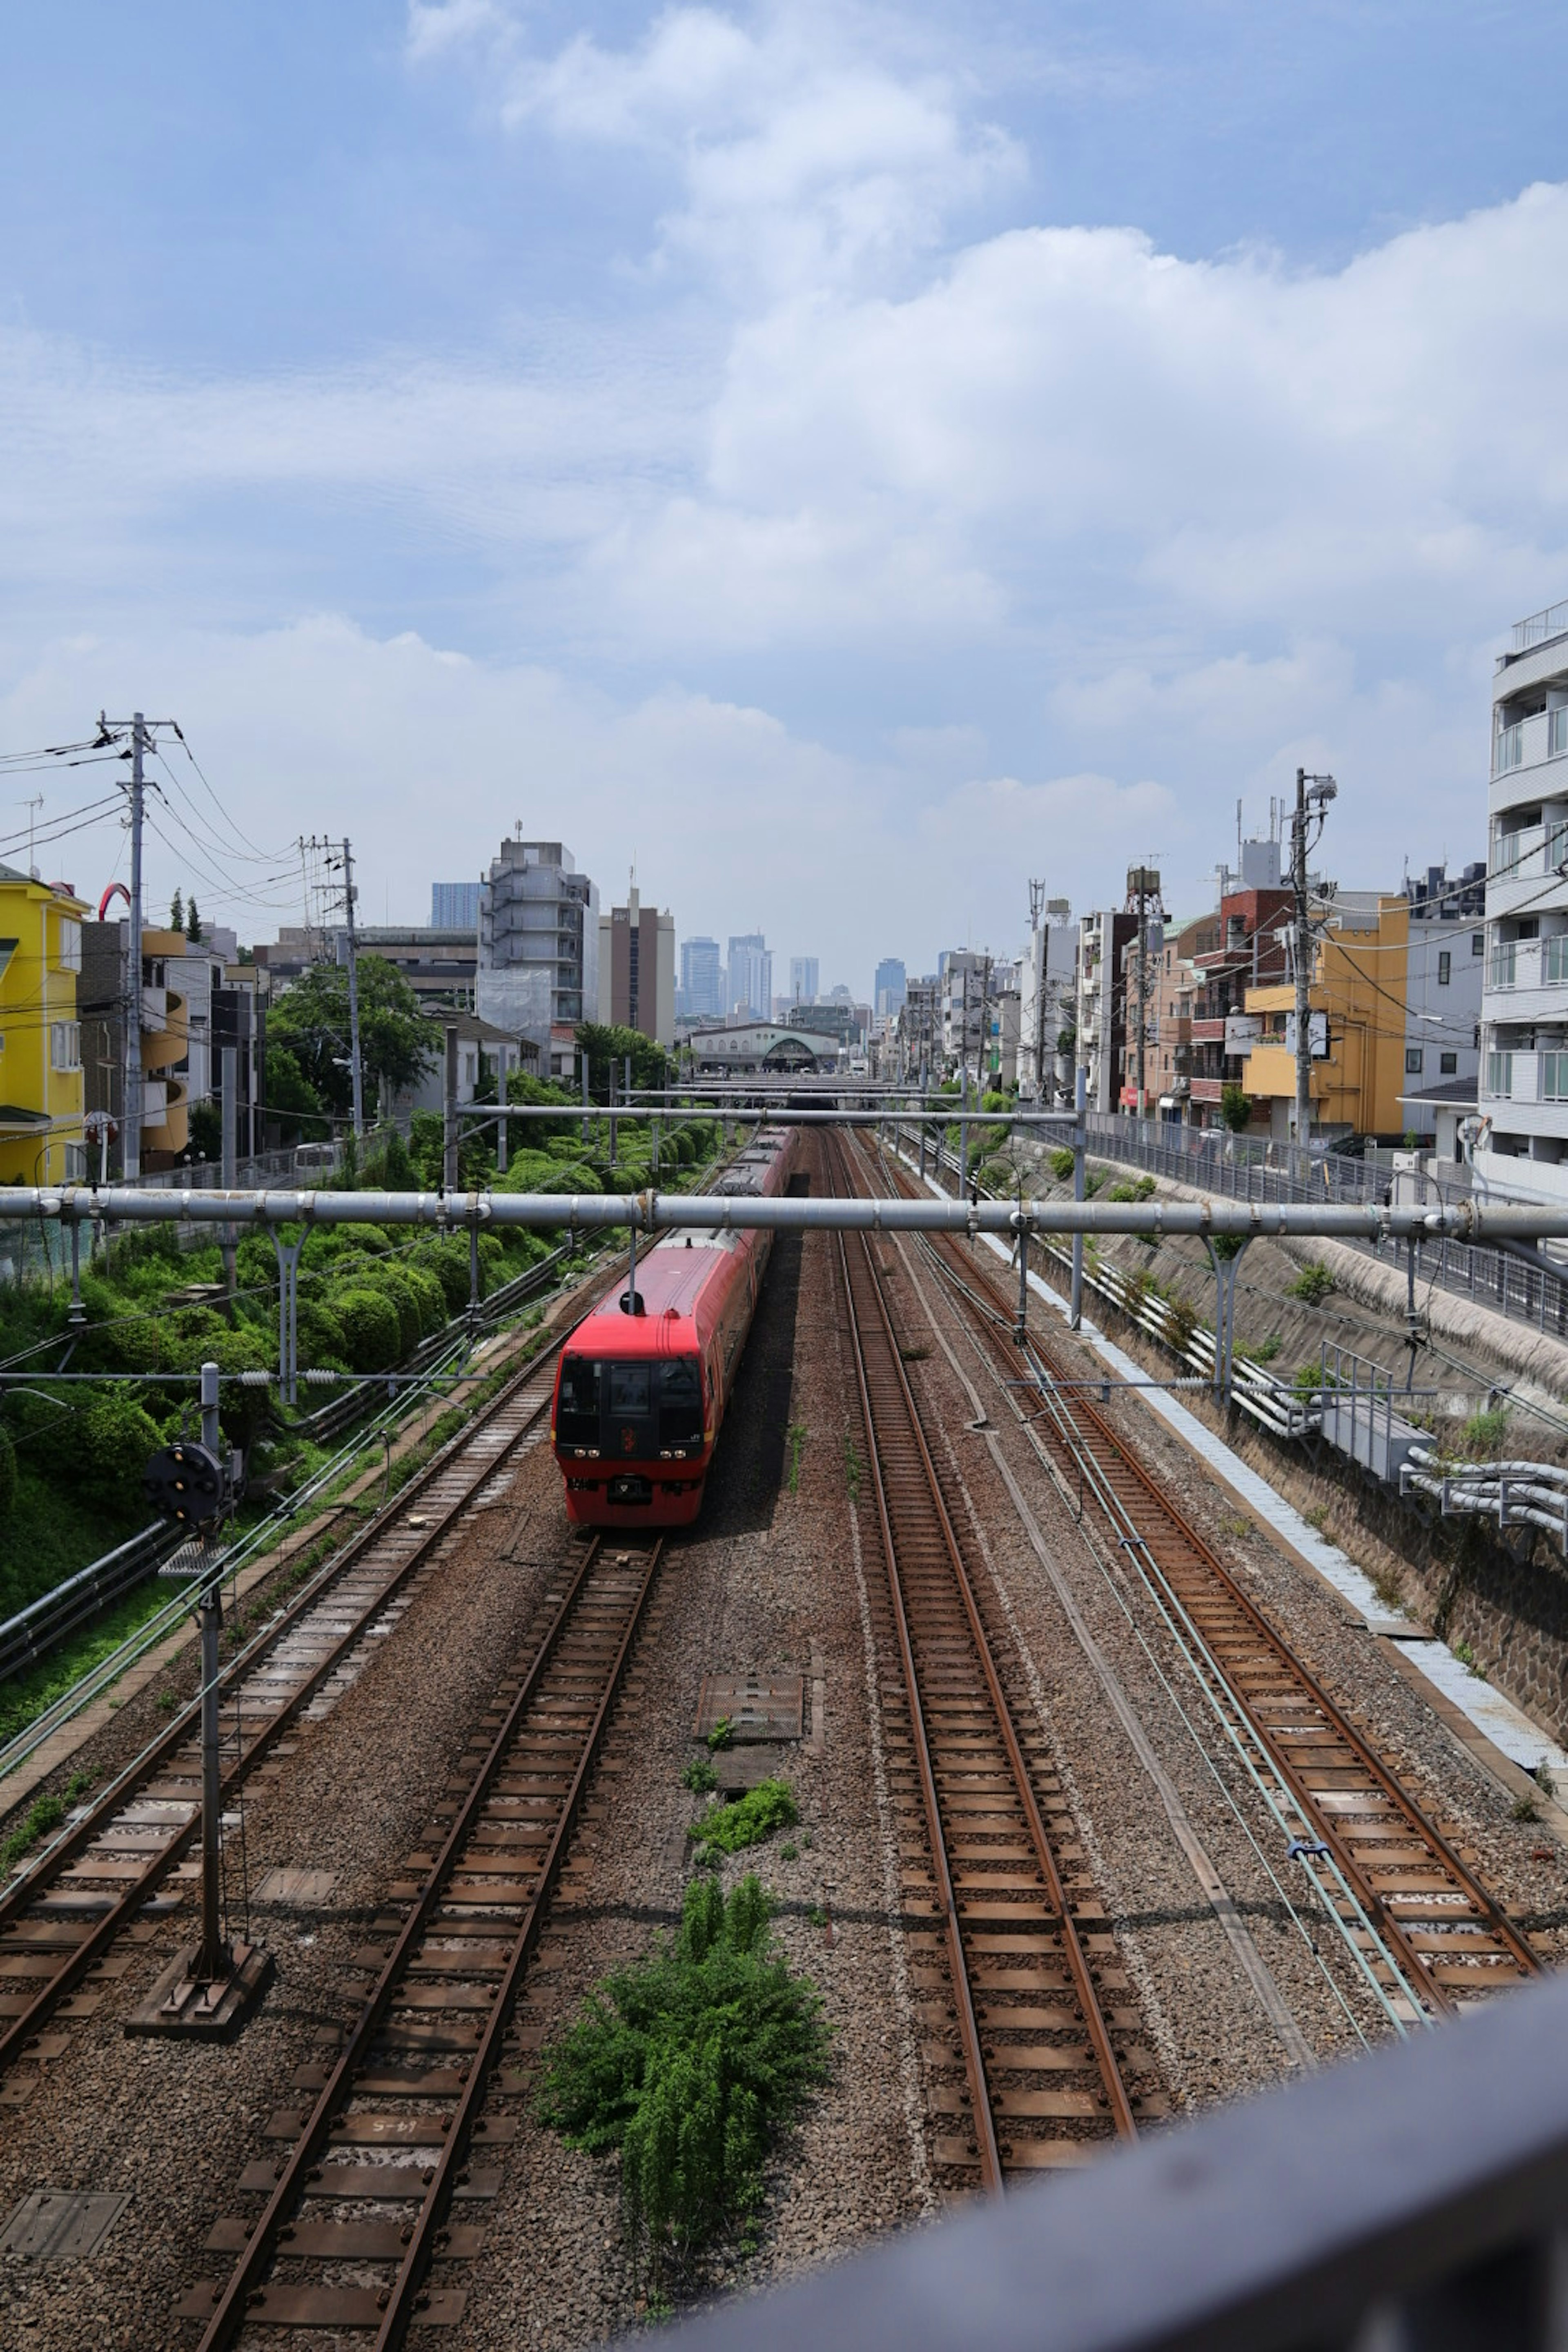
(658, 1402)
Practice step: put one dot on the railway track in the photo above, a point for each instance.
(1026, 2054)
(1422, 1934)
(403, 2118)
(59, 1920)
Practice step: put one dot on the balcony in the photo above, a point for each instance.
(1528, 963)
(1533, 854)
(1513, 1076)
(1540, 628)
(1208, 1090)
(1542, 736)
(1208, 1033)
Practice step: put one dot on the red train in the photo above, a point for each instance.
(642, 1386)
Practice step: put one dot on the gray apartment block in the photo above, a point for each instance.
(1520, 1146)
(539, 943)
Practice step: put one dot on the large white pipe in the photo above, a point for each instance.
(653, 1212)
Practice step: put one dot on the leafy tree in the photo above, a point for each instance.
(1235, 1108)
(290, 1096)
(176, 911)
(313, 1022)
(607, 1042)
(193, 922)
(534, 1135)
(207, 1131)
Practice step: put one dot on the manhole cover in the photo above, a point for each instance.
(306, 1888)
(758, 1706)
(60, 2225)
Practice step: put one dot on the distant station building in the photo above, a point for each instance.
(751, 1047)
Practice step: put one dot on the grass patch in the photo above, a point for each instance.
(769, 1806)
(721, 1736)
(1525, 1809)
(687, 2063)
(698, 1775)
(22, 1700)
(1266, 1349)
(1313, 1284)
(48, 1814)
(1483, 1434)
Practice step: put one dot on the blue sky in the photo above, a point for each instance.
(850, 459)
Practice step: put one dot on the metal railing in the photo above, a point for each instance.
(1245, 1170)
(35, 1631)
(1540, 628)
(1413, 2199)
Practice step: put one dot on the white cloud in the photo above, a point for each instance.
(801, 152)
(428, 758)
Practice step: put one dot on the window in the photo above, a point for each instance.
(65, 1045)
(680, 1401)
(1445, 966)
(577, 1411)
(76, 1164)
(631, 1387)
(69, 957)
(1449, 1065)
(1478, 943)
(1412, 1055)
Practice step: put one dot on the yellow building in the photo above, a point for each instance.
(41, 1139)
(1359, 982)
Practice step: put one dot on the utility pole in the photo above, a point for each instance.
(1039, 954)
(131, 1141)
(1313, 794)
(356, 1067)
(1143, 900)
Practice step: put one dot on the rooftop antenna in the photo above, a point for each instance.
(35, 804)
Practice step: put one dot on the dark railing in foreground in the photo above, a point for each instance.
(44, 1624)
(1414, 2201)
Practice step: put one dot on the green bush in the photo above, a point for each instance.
(7, 1474)
(113, 1440)
(393, 1283)
(687, 2062)
(769, 1806)
(447, 1263)
(1061, 1165)
(371, 1332)
(320, 1329)
(1313, 1284)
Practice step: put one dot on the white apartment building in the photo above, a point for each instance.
(1520, 1145)
(1048, 980)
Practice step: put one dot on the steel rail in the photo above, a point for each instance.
(958, 1967)
(1077, 1959)
(994, 1317)
(25, 1891)
(398, 2310)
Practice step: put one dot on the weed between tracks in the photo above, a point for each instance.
(687, 2063)
(769, 1806)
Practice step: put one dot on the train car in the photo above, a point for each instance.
(644, 1383)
